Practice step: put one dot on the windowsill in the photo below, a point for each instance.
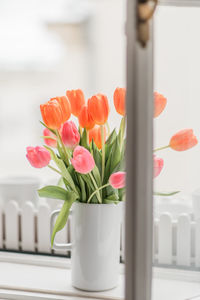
(24, 276)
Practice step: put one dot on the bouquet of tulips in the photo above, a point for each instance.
(89, 159)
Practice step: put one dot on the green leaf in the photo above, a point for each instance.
(97, 156)
(83, 140)
(61, 165)
(60, 182)
(53, 191)
(115, 155)
(97, 176)
(63, 215)
(82, 186)
(122, 194)
(107, 201)
(111, 137)
(90, 187)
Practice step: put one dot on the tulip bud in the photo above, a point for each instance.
(118, 180)
(98, 108)
(82, 161)
(50, 142)
(183, 140)
(38, 157)
(95, 134)
(119, 100)
(70, 135)
(77, 100)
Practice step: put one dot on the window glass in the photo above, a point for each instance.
(176, 77)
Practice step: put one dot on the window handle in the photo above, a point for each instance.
(146, 9)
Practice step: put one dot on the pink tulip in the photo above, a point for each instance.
(117, 180)
(82, 160)
(49, 142)
(158, 165)
(70, 134)
(38, 156)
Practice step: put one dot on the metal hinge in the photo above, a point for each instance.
(146, 9)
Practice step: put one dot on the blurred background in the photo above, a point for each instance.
(48, 47)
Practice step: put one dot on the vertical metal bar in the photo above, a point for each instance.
(139, 204)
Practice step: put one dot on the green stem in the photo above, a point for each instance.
(103, 152)
(87, 137)
(63, 147)
(122, 131)
(95, 185)
(161, 148)
(166, 194)
(81, 130)
(108, 128)
(54, 169)
(97, 190)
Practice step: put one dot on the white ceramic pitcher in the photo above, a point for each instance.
(95, 247)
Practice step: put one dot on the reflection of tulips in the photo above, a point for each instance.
(95, 134)
(159, 104)
(119, 100)
(183, 140)
(55, 112)
(158, 165)
(48, 141)
(77, 100)
(38, 157)
(98, 108)
(85, 119)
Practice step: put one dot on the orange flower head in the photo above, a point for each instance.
(159, 104)
(85, 119)
(77, 100)
(119, 100)
(55, 112)
(95, 134)
(183, 140)
(98, 108)
(65, 107)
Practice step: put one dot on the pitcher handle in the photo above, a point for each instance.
(57, 246)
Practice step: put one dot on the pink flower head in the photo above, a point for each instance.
(118, 180)
(38, 156)
(158, 165)
(82, 160)
(49, 142)
(70, 134)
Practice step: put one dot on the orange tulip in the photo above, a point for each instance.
(98, 108)
(159, 104)
(95, 134)
(119, 100)
(85, 119)
(77, 100)
(55, 112)
(183, 140)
